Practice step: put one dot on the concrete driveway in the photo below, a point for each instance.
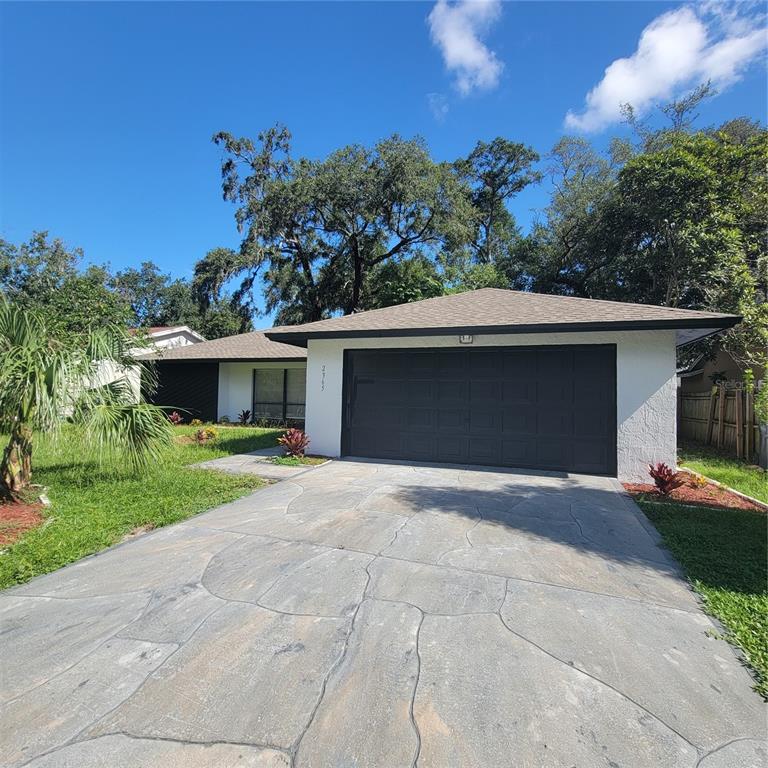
(372, 615)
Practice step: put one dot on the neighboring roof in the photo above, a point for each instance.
(165, 330)
(254, 347)
(495, 310)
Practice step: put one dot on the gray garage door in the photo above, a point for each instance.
(533, 407)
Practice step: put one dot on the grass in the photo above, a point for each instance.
(734, 473)
(94, 505)
(298, 461)
(725, 556)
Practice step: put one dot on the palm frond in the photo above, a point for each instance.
(46, 379)
(138, 431)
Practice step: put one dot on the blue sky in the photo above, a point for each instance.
(107, 109)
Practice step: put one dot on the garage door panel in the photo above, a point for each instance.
(532, 407)
(484, 422)
(452, 391)
(451, 365)
(518, 364)
(519, 453)
(589, 455)
(519, 392)
(374, 417)
(555, 422)
(420, 445)
(517, 421)
(452, 420)
(418, 418)
(485, 391)
(385, 444)
(483, 363)
(553, 453)
(484, 450)
(419, 365)
(416, 390)
(453, 448)
(592, 423)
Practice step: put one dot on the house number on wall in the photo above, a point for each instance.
(322, 380)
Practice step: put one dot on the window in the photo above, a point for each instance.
(279, 394)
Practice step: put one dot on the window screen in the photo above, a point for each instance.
(295, 392)
(279, 393)
(268, 393)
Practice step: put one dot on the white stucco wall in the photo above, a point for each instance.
(236, 385)
(645, 380)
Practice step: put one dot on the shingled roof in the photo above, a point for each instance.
(245, 347)
(495, 310)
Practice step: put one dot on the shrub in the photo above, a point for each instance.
(761, 404)
(206, 434)
(294, 441)
(175, 418)
(195, 423)
(225, 420)
(697, 481)
(244, 416)
(665, 477)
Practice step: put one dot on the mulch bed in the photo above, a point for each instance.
(692, 493)
(16, 518)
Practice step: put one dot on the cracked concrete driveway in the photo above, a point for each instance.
(378, 615)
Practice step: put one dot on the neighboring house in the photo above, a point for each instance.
(218, 379)
(499, 377)
(701, 374)
(170, 336)
(158, 337)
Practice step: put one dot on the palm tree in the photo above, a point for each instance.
(47, 379)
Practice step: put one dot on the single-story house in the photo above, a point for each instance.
(216, 380)
(502, 378)
(492, 377)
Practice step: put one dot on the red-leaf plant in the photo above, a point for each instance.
(294, 441)
(665, 477)
(175, 418)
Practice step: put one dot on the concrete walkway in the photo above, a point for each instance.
(375, 616)
(254, 463)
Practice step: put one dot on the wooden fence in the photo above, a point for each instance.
(724, 418)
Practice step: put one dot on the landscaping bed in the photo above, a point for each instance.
(16, 518)
(694, 492)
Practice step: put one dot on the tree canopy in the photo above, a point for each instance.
(674, 216)
(45, 275)
(316, 230)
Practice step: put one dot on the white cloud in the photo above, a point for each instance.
(676, 50)
(438, 106)
(456, 29)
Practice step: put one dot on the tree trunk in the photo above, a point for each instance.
(16, 467)
(357, 277)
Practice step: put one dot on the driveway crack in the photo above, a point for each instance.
(415, 725)
(293, 752)
(113, 636)
(714, 751)
(597, 680)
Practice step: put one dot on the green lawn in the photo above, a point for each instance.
(725, 556)
(94, 506)
(732, 472)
